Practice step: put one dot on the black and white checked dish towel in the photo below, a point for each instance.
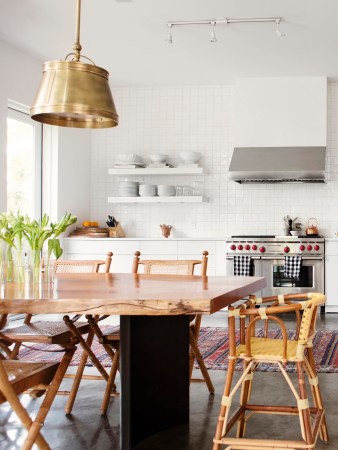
(292, 266)
(242, 265)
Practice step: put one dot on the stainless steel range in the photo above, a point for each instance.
(267, 253)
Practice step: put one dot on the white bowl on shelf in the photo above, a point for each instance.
(190, 157)
(158, 158)
(128, 158)
(147, 190)
(166, 190)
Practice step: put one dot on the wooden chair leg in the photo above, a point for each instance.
(304, 413)
(197, 354)
(245, 396)
(86, 347)
(96, 329)
(19, 410)
(223, 411)
(111, 382)
(316, 394)
(48, 400)
(78, 376)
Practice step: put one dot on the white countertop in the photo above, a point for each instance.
(151, 239)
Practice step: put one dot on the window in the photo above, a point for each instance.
(23, 163)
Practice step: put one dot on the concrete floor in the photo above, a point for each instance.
(85, 429)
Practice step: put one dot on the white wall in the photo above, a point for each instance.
(281, 112)
(70, 167)
(170, 119)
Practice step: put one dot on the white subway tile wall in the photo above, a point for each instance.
(201, 118)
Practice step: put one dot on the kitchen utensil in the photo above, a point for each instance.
(312, 229)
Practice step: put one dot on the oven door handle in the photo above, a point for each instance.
(306, 258)
(252, 257)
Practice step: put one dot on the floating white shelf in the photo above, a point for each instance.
(158, 171)
(158, 199)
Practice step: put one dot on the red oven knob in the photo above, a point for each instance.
(247, 247)
(286, 249)
(262, 249)
(240, 247)
(309, 247)
(232, 247)
(302, 248)
(254, 247)
(316, 247)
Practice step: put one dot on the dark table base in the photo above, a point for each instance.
(154, 375)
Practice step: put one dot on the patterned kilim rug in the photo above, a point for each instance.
(214, 343)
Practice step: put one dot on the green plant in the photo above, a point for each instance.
(59, 228)
(38, 232)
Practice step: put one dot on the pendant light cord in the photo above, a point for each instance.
(77, 46)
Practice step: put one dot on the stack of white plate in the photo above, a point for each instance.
(165, 190)
(128, 189)
(147, 190)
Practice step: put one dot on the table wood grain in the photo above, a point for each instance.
(127, 294)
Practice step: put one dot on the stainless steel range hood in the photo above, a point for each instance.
(278, 165)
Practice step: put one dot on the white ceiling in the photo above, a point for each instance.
(128, 38)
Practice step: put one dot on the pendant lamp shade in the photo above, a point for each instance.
(73, 93)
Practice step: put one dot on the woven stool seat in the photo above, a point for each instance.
(42, 331)
(16, 370)
(268, 349)
(111, 331)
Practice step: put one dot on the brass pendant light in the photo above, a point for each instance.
(73, 93)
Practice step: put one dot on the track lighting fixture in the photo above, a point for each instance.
(170, 36)
(213, 34)
(278, 32)
(223, 21)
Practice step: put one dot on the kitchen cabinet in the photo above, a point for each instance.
(148, 171)
(123, 251)
(331, 272)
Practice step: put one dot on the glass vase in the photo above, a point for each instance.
(36, 266)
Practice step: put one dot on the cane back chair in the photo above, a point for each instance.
(253, 350)
(111, 336)
(18, 376)
(58, 332)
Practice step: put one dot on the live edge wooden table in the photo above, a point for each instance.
(154, 312)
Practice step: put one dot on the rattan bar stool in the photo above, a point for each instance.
(254, 350)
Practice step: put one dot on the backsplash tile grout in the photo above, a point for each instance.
(171, 119)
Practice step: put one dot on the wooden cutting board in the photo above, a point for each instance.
(90, 232)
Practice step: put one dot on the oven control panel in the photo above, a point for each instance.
(275, 246)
